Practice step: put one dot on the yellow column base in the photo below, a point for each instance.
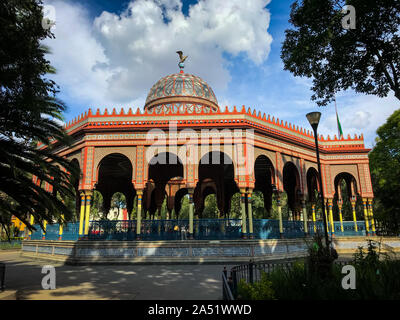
(313, 217)
(87, 212)
(60, 232)
(82, 215)
(44, 231)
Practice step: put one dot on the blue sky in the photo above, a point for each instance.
(109, 53)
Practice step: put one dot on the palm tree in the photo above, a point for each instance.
(30, 114)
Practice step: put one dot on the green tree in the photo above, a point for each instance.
(366, 59)
(385, 171)
(96, 207)
(184, 212)
(347, 211)
(210, 207)
(284, 206)
(257, 205)
(133, 213)
(118, 200)
(236, 210)
(30, 113)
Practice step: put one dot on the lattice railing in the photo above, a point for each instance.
(203, 229)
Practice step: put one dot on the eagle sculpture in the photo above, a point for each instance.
(181, 57)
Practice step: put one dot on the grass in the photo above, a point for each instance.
(12, 245)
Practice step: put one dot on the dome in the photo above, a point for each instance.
(181, 87)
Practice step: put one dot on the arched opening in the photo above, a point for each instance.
(259, 211)
(235, 211)
(313, 187)
(345, 193)
(264, 174)
(291, 185)
(118, 210)
(96, 208)
(115, 175)
(180, 203)
(210, 210)
(165, 175)
(314, 205)
(216, 175)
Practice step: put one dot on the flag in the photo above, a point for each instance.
(340, 131)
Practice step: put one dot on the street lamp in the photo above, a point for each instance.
(313, 118)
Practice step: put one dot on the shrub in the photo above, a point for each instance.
(260, 290)
(319, 278)
(321, 258)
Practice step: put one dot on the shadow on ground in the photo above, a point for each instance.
(143, 282)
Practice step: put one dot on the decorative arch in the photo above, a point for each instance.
(166, 177)
(350, 169)
(178, 200)
(229, 155)
(312, 184)
(216, 167)
(101, 153)
(164, 166)
(351, 184)
(291, 185)
(76, 158)
(114, 174)
(264, 176)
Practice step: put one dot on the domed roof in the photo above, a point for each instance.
(181, 87)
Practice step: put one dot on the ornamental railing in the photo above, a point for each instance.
(70, 231)
(112, 230)
(349, 228)
(164, 230)
(52, 231)
(266, 229)
(217, 229)
(203, 229)
(251, 273)
(38, 234)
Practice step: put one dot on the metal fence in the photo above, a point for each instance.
(266, 229)
(349, 228)
(38, 234)
(52, 231)
(251, 273)
(112, 230)
(217, 229)
(203, 229)
(70, 231)
(164, 229)
(227, 286)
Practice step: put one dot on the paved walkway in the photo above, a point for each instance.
(141, 282)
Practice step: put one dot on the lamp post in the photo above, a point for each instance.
(313, 118)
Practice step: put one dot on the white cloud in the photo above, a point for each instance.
(75, 53)
(359, 114)
(115, 59)
(361, 119)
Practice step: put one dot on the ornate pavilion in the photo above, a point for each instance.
(184, 144)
